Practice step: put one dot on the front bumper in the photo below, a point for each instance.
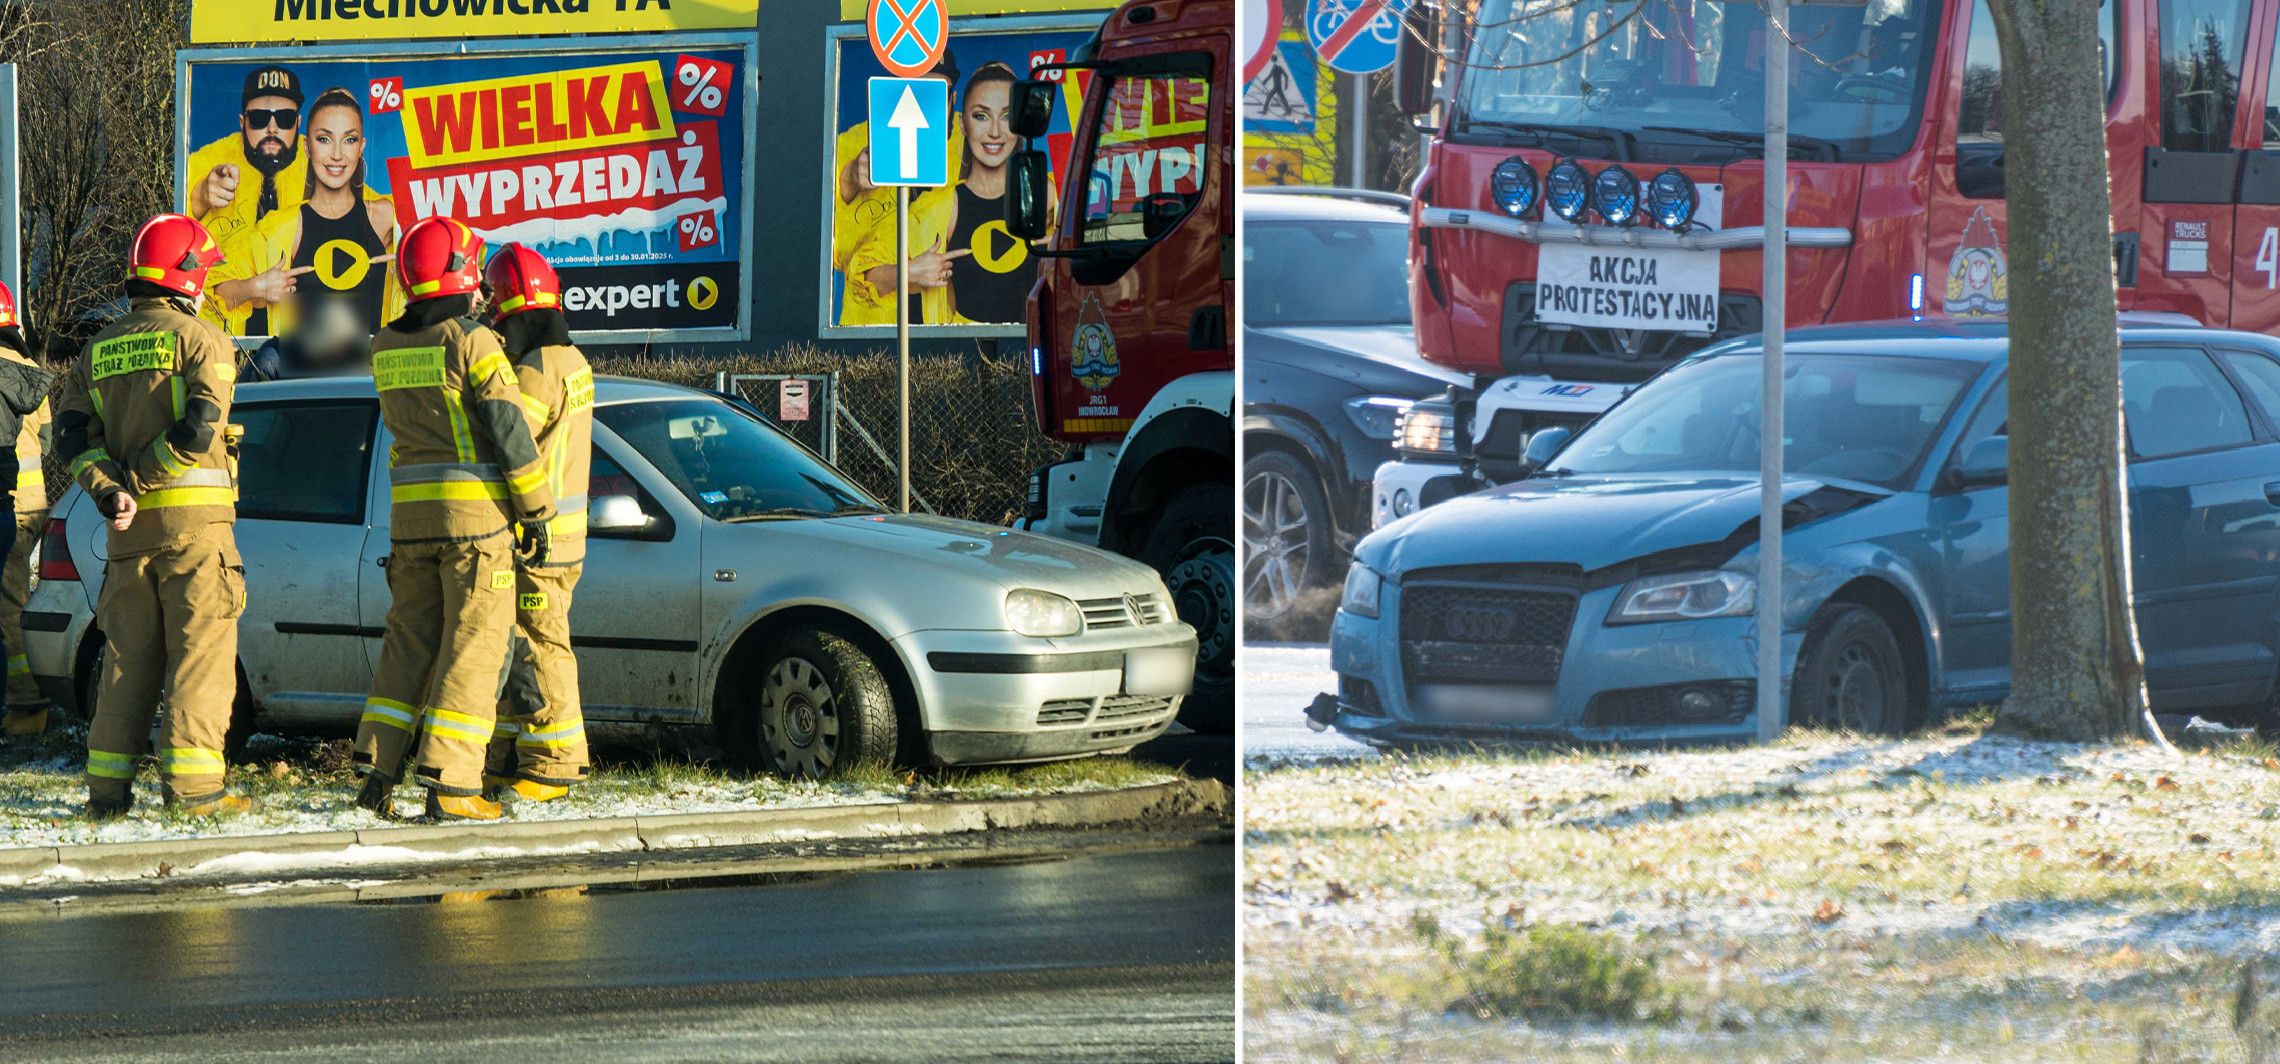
(1403, 486)
(1627, 669)
(1002, 697)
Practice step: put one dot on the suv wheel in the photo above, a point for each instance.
(1286, 544)
(824, 707)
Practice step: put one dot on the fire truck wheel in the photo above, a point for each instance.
(1192, 544)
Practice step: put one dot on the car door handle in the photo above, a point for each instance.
(2272, 493)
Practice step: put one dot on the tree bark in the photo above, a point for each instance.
(2076, 670)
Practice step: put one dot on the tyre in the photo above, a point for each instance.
(242, 716)
(1286, 547)
(824, 707)
(1850, 675)
(1192, 544)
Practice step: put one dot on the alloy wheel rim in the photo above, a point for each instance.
(799, 718)
(1275, 531)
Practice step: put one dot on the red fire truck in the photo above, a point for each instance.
(1130, 351)
(1591, 206)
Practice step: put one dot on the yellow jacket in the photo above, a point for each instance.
(233, 226)
(871, 219)
(267, 246)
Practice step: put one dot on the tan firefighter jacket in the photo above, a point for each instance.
(144, 411)
(558, 394)
(464, 465)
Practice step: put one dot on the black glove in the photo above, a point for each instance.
(533, 543)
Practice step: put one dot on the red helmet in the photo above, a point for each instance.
(174, 252)
(438, 257)
(520, 280)
(8, 314)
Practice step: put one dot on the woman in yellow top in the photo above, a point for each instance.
(336, 245)
(967, 268)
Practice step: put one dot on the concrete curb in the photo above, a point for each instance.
(264, 854)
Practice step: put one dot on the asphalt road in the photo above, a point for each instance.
(1116, 957)
(1277, 682)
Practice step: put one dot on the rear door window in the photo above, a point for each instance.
(305, 461)
(2175, 401)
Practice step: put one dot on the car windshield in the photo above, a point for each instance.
(1852, 417)
(1681, 81)
(1326, 273)
(734, 466)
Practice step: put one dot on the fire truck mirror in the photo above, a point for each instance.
(1417, 60)
(1026, 205)
(1033, 108)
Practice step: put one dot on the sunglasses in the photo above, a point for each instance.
(282, 118)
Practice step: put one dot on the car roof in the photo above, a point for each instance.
(607, 390)
(1317, 207)
(1973, 339)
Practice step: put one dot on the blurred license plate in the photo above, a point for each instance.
(1485, 704)
(1159, 670)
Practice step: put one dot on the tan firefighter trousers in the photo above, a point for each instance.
(15, 587)
(541, 733)
(170, 627)
(452, 609)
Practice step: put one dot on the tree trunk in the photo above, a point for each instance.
(2076, 671)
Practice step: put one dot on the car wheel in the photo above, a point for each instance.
(824, 707)
(1850, 676)
(88, 678)
(1286, 546)
(1193, 545)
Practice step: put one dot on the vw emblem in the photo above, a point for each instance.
(1478, 624)
(1132, 608)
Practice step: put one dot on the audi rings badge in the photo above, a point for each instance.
(1476, 624)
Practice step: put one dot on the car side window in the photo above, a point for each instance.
(2175, 401)
(2260, 372)
(305, 461)
(1993, 419)
(607, 477)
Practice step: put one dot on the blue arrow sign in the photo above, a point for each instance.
(1355, 36)
(910, 131)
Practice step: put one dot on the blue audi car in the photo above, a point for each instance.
(1608, 597)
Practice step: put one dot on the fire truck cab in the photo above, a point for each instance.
(1591, 209)
(1130, 351)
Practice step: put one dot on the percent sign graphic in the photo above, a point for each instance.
(703, 85)
(387, 95)
(698, 231)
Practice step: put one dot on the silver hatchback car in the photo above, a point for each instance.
(733, 581)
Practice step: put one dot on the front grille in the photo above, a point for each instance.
(1728, 702)
(1123, 611)
(1483, 634)
(1112, 709)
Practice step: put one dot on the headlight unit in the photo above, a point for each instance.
(1671, 199)
(1378, 416)
(1616, 193)
(1042, 613)
(1685, 597)
(1513, 186)
(1361, 595)
(1427, 430)
(1567, 190)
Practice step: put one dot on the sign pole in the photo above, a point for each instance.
(902, 338)
(11, 172)
(1770, 704)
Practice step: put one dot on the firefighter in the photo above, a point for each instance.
(143, 417)
(464, 470)
(27, 712)
(539, 748)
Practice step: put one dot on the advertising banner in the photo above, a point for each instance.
(257, 21)
(970, 277)
(624, 161)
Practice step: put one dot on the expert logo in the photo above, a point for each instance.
(611, 298)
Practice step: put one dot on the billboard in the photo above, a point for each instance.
(970, 277)
(255, 21)
(625, 161)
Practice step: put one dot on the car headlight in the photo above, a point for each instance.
(1378, 416)
(1361, 597)
(1427, 431)
(1042, 613)
(1685, 597)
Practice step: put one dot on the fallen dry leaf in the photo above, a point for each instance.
(1828, 913)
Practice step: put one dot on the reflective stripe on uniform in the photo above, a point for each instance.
(506, 729)
(167, 497)
(537, 410)
(18, 666)
(451, 490)
(181, 397)
(570, 524)
(31, 478)
(109, 765)
(390, 712)
(190, 761)
(556, 737)
(173, 466)
(461, 440)
(92, 456)
(429, 471)
(453, 725)
(528, 482)
(569, 504)
(480, 373)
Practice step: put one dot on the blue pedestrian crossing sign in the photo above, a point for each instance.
(910, 131)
